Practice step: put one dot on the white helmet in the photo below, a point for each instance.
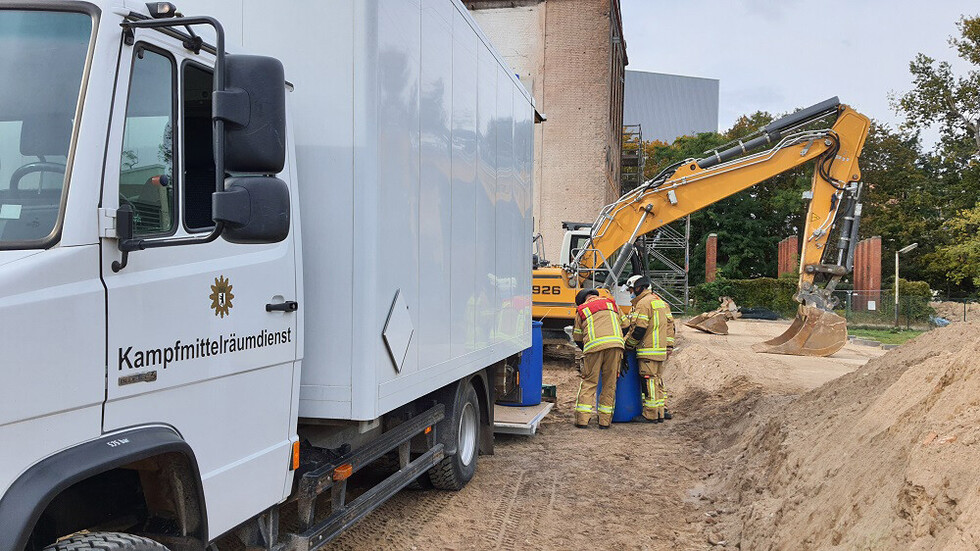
(638, 281)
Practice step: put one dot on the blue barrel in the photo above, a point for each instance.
(529, 372)
(629, 403)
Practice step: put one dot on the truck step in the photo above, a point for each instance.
(332, 476)
(519, 420)
(338, 521)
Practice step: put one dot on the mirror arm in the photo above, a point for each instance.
(139, 244)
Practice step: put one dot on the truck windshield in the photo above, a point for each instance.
(42, 58)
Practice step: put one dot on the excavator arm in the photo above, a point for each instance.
(696, 184)
(691, 185)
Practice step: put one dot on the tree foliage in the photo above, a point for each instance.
(946, 199)
(911, 194)
(941, 97)
(749, 224)
(959, 259)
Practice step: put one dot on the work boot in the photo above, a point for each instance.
(578, 426)
(642, 419)
(667, 415)
(603, 426)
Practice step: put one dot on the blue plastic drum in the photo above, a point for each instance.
(530, 370)
(629, 402)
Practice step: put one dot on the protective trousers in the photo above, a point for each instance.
(654, 393)
(604, 363)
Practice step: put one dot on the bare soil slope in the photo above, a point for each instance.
(634, 487)
(885, 457)
(954, 311)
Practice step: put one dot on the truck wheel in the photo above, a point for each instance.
(454, 471)
(105, 541)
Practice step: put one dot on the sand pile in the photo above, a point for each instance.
(886, 457)
(696, 368)
(953, 311)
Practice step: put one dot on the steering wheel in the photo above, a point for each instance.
(31, 168)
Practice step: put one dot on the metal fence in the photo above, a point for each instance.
(880, 309)
(957, 308)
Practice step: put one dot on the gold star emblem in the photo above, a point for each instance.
(221, 296)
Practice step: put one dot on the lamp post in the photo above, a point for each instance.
(903, 250)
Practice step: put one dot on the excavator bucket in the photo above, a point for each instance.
(814, 332)
(714, 322)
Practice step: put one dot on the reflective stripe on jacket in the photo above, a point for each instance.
(653, 314)
(598, 325)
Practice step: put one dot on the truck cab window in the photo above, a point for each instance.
(42, 60)
(146, 168)
(199, 176)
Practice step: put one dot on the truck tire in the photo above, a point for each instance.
(106, 541)
(454, 471)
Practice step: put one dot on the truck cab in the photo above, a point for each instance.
(140, 339)
(154, 302)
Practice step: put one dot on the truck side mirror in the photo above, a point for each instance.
(252, 105)
(254, 209)
(253, 108)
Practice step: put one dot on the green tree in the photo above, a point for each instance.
(750, 223)
(941, 97)
(928, 199)
(902, 195)
(960, 258)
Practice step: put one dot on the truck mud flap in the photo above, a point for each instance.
(343, 515)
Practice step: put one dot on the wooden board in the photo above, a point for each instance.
(519, 420)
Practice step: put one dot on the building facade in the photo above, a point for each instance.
(669, 106)
(571, 55)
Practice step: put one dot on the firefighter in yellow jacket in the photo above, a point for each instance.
(651, 333)
(598, 331)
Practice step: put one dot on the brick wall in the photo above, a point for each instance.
(711, 258)
(571, 53)
(789, 256)
(867, 273)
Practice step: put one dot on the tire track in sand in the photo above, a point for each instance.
(523, 508)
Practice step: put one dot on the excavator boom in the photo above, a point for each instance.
(691, 185)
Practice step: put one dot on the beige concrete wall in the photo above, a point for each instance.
(565, 53)
(518, 34)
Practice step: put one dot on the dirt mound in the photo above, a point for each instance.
(702, 368)
(953, 311)
(882, 458)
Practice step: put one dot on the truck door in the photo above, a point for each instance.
(190, 341)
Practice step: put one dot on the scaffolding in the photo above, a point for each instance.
(665, 251)
(667, 256)
(632, 159)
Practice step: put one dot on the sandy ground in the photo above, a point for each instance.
(956, 311)
(884, 457)
(632, 487)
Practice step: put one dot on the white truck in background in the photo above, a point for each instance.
(229, 281)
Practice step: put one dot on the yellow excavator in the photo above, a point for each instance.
(596, 255)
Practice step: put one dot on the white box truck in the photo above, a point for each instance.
(228, 281)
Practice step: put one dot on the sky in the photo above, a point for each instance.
(779, 55)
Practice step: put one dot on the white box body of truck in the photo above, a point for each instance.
(414, 162)
(160, 371)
